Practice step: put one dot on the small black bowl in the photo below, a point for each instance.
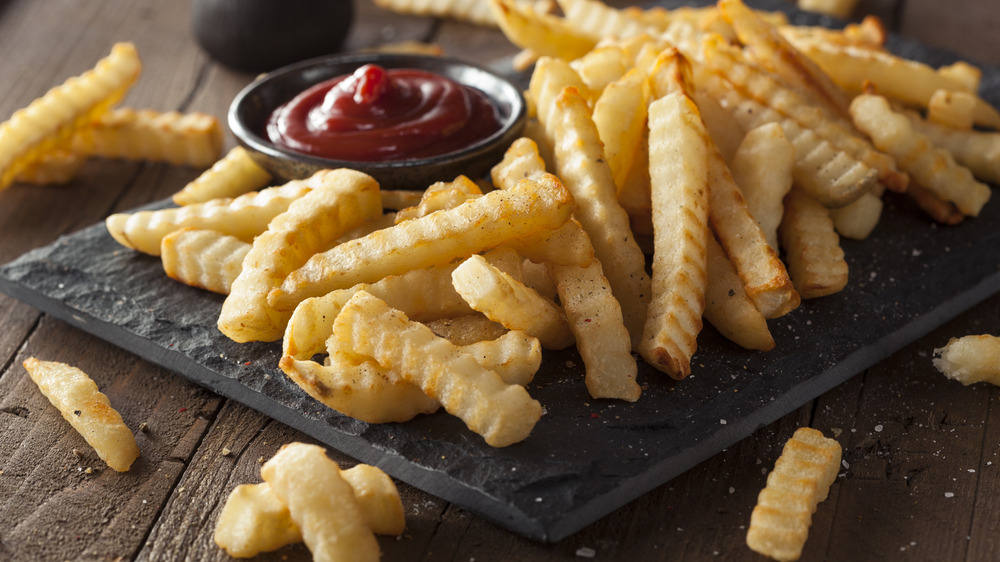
(251, 108)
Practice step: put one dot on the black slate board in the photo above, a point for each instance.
(585, 457)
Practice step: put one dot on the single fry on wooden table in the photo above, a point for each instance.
(89, 411)
(801, 479)
(970, 359)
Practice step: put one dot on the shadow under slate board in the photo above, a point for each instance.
(585, 457)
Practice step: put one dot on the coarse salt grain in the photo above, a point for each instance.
(949, 495)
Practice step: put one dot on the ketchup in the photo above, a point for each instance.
(377, 114)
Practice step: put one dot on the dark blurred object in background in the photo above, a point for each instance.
(261, 35)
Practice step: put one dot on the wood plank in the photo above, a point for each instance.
(58, 498)
(913, 451)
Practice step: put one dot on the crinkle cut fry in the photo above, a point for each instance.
(932, 167)
(802, 475)
(593, 313)
(827, 173)
(678, 145)
(502, 414)
(49, 121)
(321, 503)
(492, 220)
(763, 87)
(202, 258)
(233, 175)
(771, 48)
(812, 248)
(581, 165)
(244, 217)
(340, 200)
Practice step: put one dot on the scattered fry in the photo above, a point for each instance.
(89, 411)
(802, 475)
(970, 359)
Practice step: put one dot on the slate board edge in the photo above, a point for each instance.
(794, 398)
(491, 508)
(452, 490)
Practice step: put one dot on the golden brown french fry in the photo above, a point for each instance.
(977, 150)
(544, 34)
(441, 195)
(582, 166)
(802, 476)
(340, 200)
(952, 109)
(678, 156)
(593, 313)
(549, 78)
(766, 279)
(753, 82)
(189, 139)
(235, 174)
(502, 414)
(857, 220)
(600, 67)
(522, 160)
(321, 503)
(763, 167)
(489, 221)
(505, 300)
(620, 118)
(49, 121)
(932, 167)
(359, 388)
(970, 359)
(812, 247)
(244, 217)
(205, 259)
(727, 306)
(770, 48)
(87, 409)
(253, 520)
(908, 81)
(825, 171)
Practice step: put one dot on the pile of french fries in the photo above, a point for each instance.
(712, 141)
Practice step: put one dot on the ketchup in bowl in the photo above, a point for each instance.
(378, 115)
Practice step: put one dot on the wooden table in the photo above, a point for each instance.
(921, 476)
